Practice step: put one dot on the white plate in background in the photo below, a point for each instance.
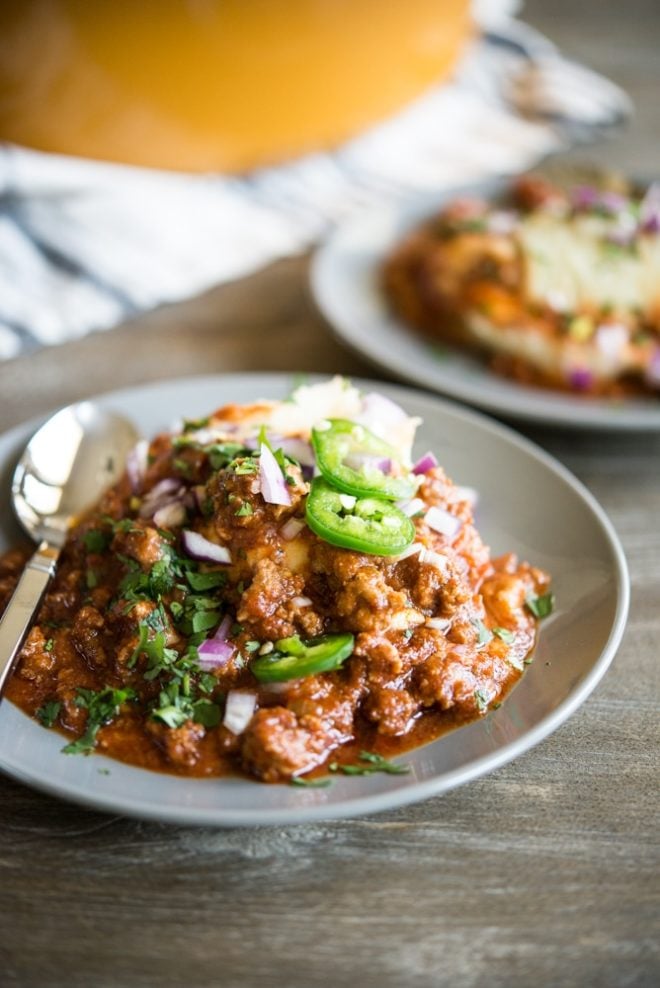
(345, 280)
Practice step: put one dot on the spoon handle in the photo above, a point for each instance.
(15, 622)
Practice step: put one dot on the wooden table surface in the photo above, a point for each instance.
(543, 873)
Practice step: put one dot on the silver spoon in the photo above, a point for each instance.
(65, 467)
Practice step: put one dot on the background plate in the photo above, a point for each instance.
(345, 284)
(528, 503)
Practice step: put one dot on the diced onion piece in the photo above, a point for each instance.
(653, 369)
(273, 484)
(425, 463)
(239, 709)
(438, 624)
(580, 379)
(214, 654)
(380, 414)
(611, 339)
(170, 515)
(412, 550)
(301, 602)
(442, 522)
(197, 547)
(291, 528)
(299, 449)
(649, 210)
(435, 559)
(136, 464)
(412, 507)
(160, 494)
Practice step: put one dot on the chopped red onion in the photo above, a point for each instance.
(291, 528)
(239, 709)
(653, 369)
(198, 547)
(412, 507)
(649, 209)
(160, 494)
(580, 378)
(442, 522)
(380, 414)
(213, 653)
(299, 449)
(273, 484)
(136, 464)
(170, 515)
(425, 463)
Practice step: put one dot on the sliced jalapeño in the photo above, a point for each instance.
(365, 524)
(354, 460)
(294, 657)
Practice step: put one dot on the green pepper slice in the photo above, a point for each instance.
(294, 658)
(366, 524)
(344, 441)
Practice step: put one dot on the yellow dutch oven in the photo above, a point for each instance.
(215, 85)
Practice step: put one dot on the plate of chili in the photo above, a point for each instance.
(529, 504)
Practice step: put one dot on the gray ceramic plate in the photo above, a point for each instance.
(528, 503)
(345, 284)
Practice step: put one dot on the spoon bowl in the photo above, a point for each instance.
(67, 464)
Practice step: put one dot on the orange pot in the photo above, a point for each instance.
(210, 85)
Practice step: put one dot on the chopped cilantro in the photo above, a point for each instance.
(206, 581)
(408, 633)
(370, 763)
(48, 714)
(102, 706)
(506, 635)
(481, 699)
(311, 783)
(49, 645)
(245, 510)
(192, 425)
(91, 579)
(96, 540)
(484, 633)
(541, 606)
(252, 646)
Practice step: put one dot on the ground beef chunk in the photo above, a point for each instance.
(86, 635)
(180, 744)
(264, 602)
(391, 709)
(36, 659)
(276, 746)
(143, 544)
(444, 680)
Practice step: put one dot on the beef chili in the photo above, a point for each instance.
(276, 590)
(553, 287)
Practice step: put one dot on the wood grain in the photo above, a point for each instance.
(544, 873)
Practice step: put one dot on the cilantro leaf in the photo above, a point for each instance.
(102, 706)
(541, 606)
(48, 714)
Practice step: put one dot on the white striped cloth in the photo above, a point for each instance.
(84, 245)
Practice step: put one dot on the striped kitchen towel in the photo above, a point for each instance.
(84, 245)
